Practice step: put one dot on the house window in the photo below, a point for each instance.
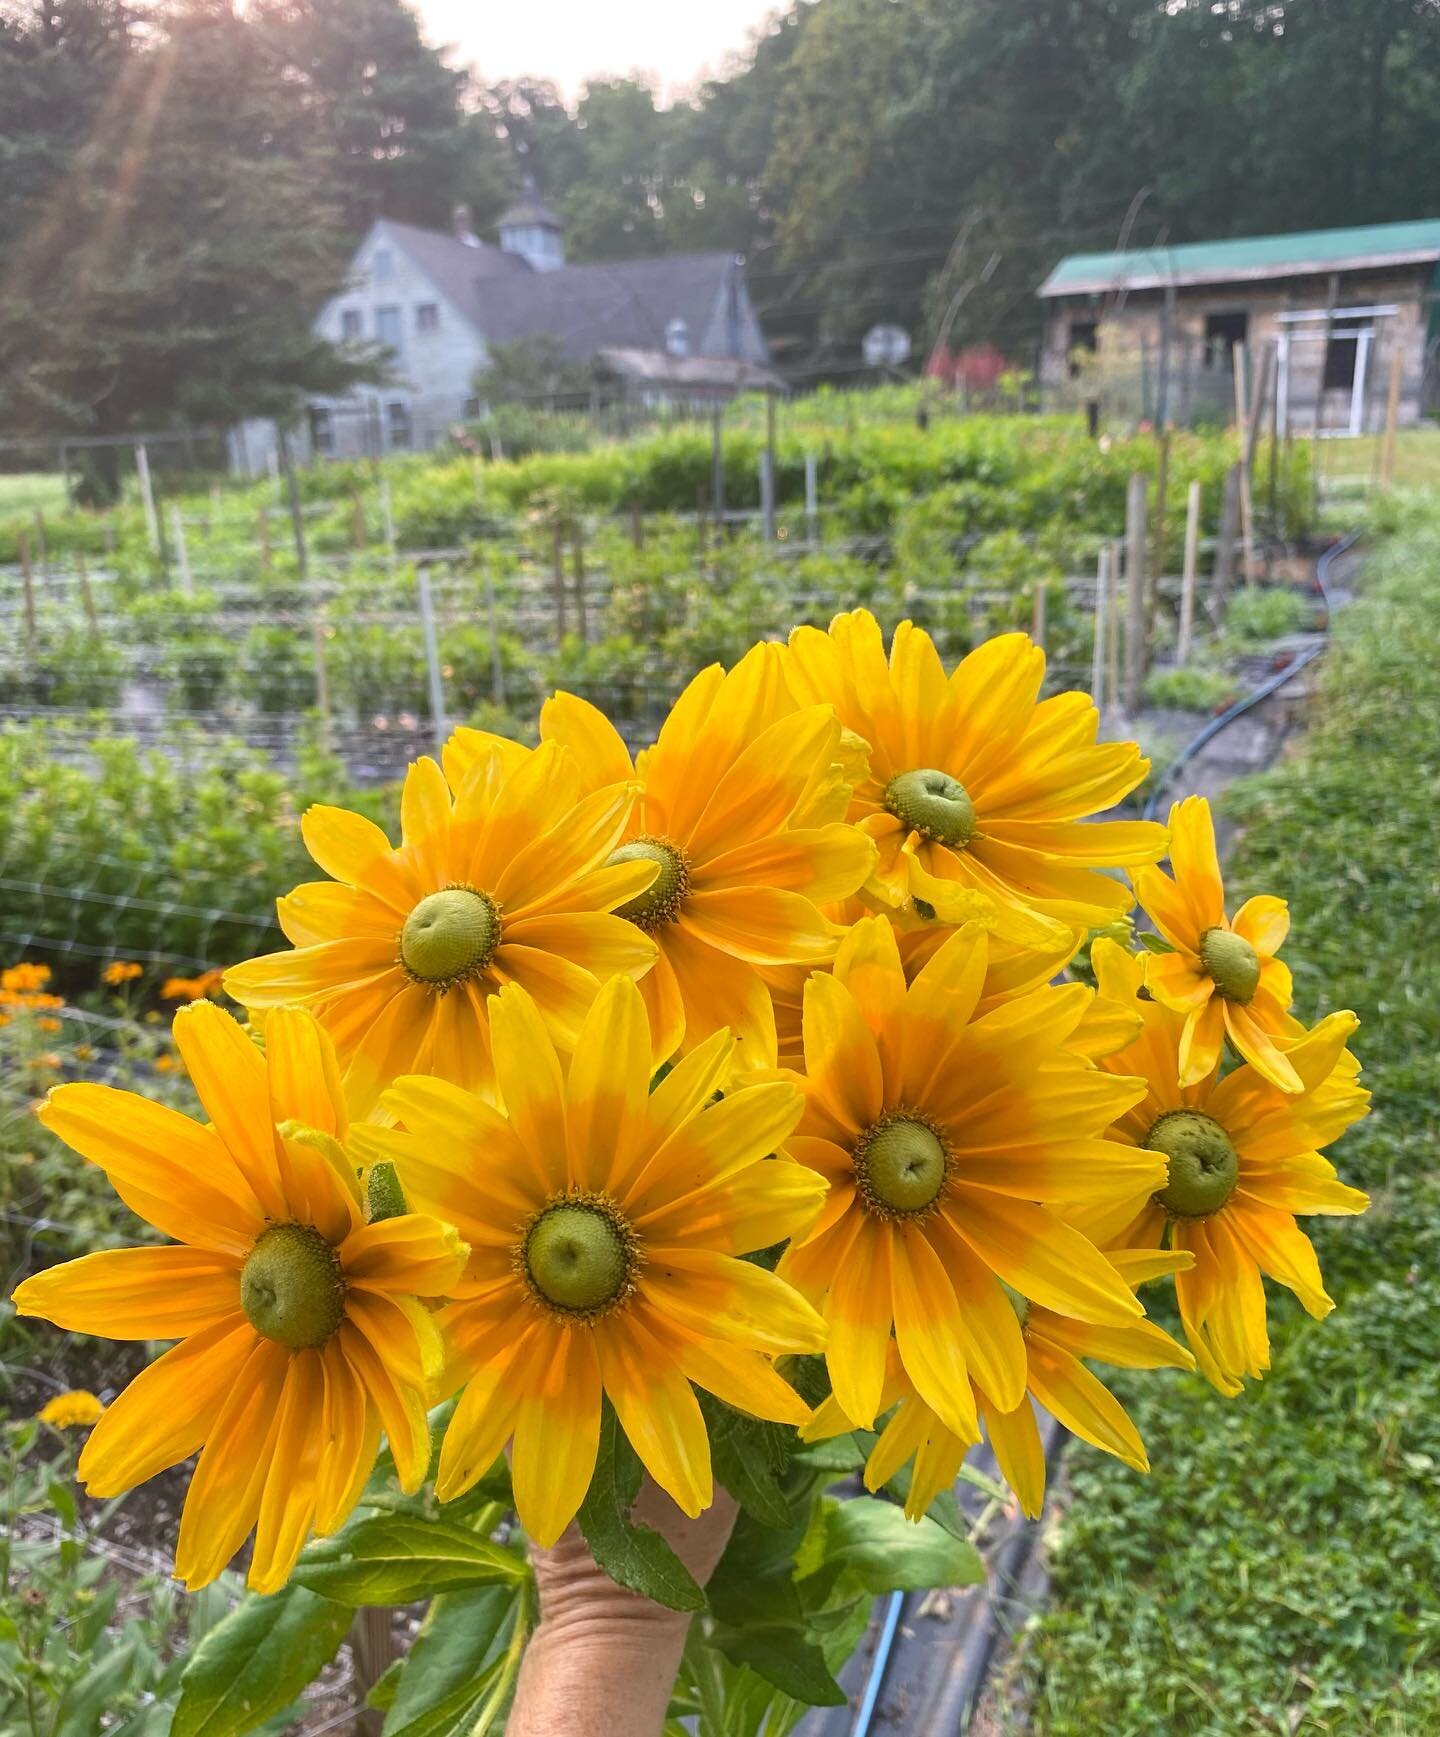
(322, 431)
(470, 409)
(427, 317)
(1083, 335)
(387, 328)
(1222, 333)
(381, 265)
(350, 324)
(398, 427)
(1341, 351)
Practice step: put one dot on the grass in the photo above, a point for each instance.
(31, 491)
(1279, 1571)
(1417, 458)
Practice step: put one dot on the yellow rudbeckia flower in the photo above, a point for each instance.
(300, 1334)
(505, 881)
(1057, 1378)
(1223, 976)
(978, 790)
(1242, 1159)
(605, 1222)
(949, 1141)
(741, 815)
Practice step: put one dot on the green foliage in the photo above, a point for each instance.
(398, 1558)
(173, 857)
(635, 1556)
(70, 1656)
(1255, 614)
(1280, 1568)
(1191, 689)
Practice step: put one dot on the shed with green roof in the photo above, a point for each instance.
(1322, 314)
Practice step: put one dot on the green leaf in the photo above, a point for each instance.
(749, 1455)
(62, 1500)
(888, 1553)
(381, 1694)
(257, 1661)
(1153, 943)
(633, 1556)
(460, 1636)
(88, 1698)
(784, 1656)
(397, 1558)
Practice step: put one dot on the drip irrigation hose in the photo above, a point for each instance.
(1266, 688)
(875, 1678)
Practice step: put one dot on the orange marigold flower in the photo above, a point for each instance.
(191, 988)
(120, 971)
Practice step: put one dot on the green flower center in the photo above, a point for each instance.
(1204, 1166)
(291, 1287)
(580, 1257)
(1233, 964)
(900, 1167)
(934, 804)
(660, 903)
(449, 937)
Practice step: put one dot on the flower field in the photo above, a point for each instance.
(735, 1085)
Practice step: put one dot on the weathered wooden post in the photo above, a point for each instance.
(147, 496)
(578, 544)
(27, 581)
(182, 549)
(87, 596)
(558, 569)
(1137, 647)
(1187, 576)
(1224, 574)
(438, 724)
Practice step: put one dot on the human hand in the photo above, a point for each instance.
(602, 1661)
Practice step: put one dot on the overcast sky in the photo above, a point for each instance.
(570, 41)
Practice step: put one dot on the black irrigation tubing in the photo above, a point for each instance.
(962, 1684)
(1271, 685)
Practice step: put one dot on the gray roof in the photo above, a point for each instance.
(625, 303)
(529, 210)
(703, 373)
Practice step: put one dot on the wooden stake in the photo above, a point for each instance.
(1112, 637)
(147, 495)
(1225, 543)
(558, 563)
(357, 523)
(1187, 576)
(582, 620)
(1162, 488)
(1137, 639)
(182, 552)
(1102, 611)
(87, 596)
(27, 580)
(1392, 416)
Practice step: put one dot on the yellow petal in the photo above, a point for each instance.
(287, 1507)
(608, 1084)
(557, 1432)
(657, 1410)
(303, 1073)
(228, 1073)
(412, 1255)
(165, 1167)
(715, 1296)
(135, 1293)
(166, 1412)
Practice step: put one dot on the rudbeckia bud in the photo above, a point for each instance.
(290, 1287)
(384, 1197)
(576, 1258)
(660, 903)
(934, 804)
(449, 936)
(1203, 1163)
(900, 1167)
(1233, 964)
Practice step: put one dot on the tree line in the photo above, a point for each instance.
(181, 189)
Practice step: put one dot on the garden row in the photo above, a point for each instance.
(1280, 1568)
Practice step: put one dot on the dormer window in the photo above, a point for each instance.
(677, 337)
(427, 317)
(382, 265)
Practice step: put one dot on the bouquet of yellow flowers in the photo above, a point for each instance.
(793, 1083)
